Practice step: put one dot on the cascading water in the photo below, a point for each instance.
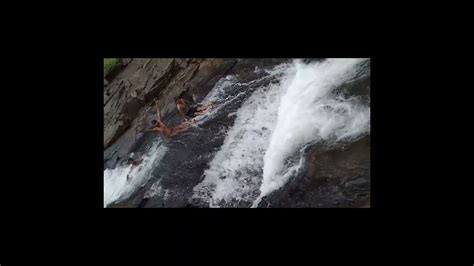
(253, 141)
(236, 169)
(309, 112)
(116, 184)
(275, 123)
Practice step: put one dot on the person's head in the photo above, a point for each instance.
(154, 122)
(180, 101)
(130, 161)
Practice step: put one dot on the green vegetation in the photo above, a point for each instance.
(109, 63)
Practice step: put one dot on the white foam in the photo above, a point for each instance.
(235, 172)
(155, 190)
(219, 91)
(275, 123)
(308, 112)
(116, 185)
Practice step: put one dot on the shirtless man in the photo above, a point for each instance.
(168, 132)
(191, 112)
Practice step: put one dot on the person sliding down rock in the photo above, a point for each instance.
(134, 163)
(161, 127)
(191, 112)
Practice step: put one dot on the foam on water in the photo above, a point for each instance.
(234, 174)
(116, 185)
(275, 123)
(309, 112)
(228, 90)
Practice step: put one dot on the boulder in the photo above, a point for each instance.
(336, 178)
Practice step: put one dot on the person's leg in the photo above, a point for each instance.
(203, 108)
(199, 113)
(179, 129)
(182, 126)
(206, 110)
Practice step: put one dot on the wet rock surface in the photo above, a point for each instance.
(129, 98)
(334, 178)
(190, 152)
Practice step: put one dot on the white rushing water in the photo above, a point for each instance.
(116, 185)
(274, 123)
(309, 112)
(235, 171)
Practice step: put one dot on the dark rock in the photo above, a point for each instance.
(151, 79)
(332, 178)
(145, 87)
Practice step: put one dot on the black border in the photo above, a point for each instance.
(50, 207)
(75, 192)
